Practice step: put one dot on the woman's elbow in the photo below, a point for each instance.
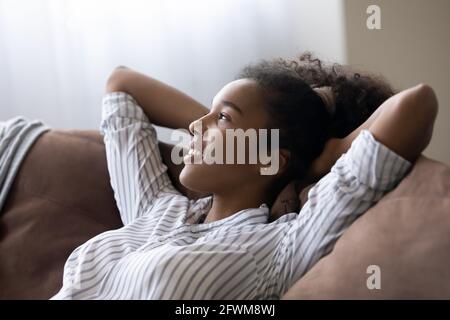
(116, 81)
(427, 101)
(423, 108)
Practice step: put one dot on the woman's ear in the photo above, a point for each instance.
(284, 158)
(278, 167)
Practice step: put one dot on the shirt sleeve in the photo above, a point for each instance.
(356, 182)
(137, 172)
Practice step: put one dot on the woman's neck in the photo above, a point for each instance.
(225, 205)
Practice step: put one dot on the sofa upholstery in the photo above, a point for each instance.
(61, 197)
(406, 234)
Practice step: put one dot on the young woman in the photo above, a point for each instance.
(343, 127)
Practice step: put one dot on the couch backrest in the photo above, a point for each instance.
(404, 238)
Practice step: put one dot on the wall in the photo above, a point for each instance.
(55, 55)
(413, 46)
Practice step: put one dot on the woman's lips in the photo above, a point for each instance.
(193, 157)
(195, 143)
(193, 152)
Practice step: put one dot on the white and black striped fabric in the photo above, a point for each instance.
(161, 253)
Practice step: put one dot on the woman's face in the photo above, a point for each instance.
(238, 105)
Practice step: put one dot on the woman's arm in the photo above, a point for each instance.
(163, 105)
(403, 123)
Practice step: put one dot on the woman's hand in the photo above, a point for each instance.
(322, 164)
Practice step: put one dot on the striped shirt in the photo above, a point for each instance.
(162, 253)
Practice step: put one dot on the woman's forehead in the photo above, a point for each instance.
(245, 93)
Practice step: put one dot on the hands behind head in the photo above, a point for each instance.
(325, 161)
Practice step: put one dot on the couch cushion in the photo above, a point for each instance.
(406, 235)
(61, 197)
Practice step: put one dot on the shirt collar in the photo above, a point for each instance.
(247, 216)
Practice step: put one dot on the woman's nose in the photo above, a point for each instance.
(195, 127)
(200, 125)
(191, 127)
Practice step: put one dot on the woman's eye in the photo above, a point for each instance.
(223, 116)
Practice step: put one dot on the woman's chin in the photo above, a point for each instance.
(192, 177)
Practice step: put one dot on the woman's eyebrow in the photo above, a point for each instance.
(232, 105)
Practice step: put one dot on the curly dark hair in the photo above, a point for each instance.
(300, 114)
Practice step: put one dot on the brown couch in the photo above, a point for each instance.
(61, 197)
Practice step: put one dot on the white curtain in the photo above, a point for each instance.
(55, 55)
